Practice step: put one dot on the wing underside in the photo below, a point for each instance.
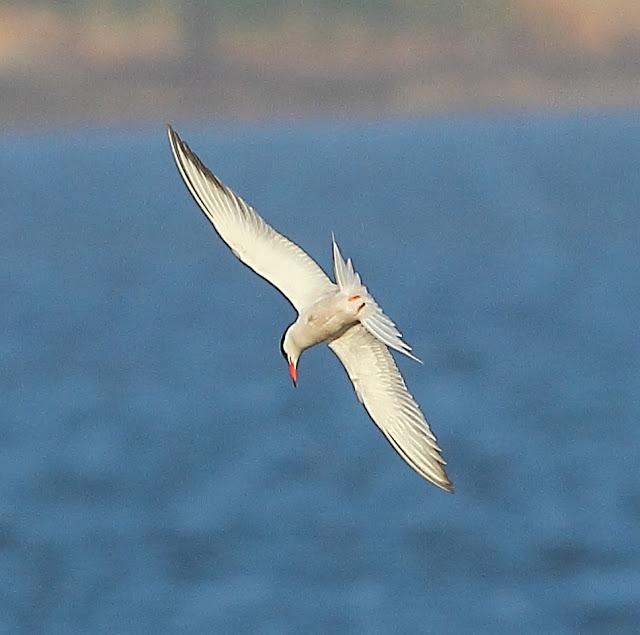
(255, 243)
(383, 392)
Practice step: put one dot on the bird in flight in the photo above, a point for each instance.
(343, 314)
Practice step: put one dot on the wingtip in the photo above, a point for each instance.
(438, 478)
(174, 138)
(442, 483)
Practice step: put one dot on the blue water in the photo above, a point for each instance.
(157, 469)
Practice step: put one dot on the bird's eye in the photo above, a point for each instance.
(284, 354)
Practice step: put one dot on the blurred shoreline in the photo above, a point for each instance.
(99, 63)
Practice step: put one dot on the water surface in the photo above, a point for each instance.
(158, 471)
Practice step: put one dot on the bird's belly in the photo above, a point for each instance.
(327, 319)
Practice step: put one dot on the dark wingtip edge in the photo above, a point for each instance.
(447, 486)
(174, 139)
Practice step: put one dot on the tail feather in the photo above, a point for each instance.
(372, 318)
(346, 278)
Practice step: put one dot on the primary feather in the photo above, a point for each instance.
(270, 254)
(381, 389)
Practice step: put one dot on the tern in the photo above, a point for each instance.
(342, 314)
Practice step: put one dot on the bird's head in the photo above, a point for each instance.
(291, 353)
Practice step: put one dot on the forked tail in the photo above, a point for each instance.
(371, 317)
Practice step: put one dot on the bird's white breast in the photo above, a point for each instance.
(325, 320)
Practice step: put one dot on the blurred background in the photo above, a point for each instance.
(102, 61)
(480, 164)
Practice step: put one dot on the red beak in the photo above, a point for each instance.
(293, 371)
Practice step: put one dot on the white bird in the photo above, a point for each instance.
(343, 314)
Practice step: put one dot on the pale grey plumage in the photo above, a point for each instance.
(255, 243)
(361, 345)
(381, 389)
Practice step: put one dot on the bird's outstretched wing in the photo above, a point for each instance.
(381, 389)
(270, 254)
